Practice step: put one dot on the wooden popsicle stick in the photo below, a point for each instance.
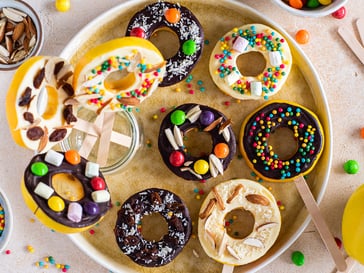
(350, 265)
(360, 26)
(320, 223)
(227, 268)
(352, 42)
(90, 140)
(90, 129)
(104, 141)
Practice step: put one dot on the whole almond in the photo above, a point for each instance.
(257, 199)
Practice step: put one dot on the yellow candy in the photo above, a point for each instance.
(56, 203)
(63, 5)
(325, 2)
(201, 166)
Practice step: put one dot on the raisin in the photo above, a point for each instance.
(58, 135)
(38, 79)
(68, 114)
(35, 133)
(25, 97)
(28, 117)
(68, 89)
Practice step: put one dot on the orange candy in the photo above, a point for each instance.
(362, 132)
(72, 157)
(302, 36)
(221, 150)
(297, 4)
(172, 15)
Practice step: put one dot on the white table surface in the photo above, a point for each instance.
(342, 77)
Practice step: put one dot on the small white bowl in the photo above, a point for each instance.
(27, 9)
(314, 12)
(8, 216)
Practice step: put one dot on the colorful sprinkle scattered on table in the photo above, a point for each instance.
(298, 258)
(351, 166)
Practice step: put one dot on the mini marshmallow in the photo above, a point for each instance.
(275, 58)
(43, 190)
(54, 158)
(232, 78)
(240, 44)
(100, 196)
(74, 212)
(92, 169)
(256, 88)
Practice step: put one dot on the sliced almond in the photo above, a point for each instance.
(2, 29)
(253, 242)
(43, 140)
(184, 169)
(235, 193)
(216, 164)
(226, 134)
(220, 203)
(224, 125)
(13, 14)
(210, 237)
(32, 29)
(9, 44)
(178, 136)
(132, 101)
(16, 11)
(257, 199)
(208, 210)
(232, 252)
(213, 125)
(4, 52)
(171, 138)
(222, 244)
(266, 226)
(194, 113)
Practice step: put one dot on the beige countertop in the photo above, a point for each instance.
(342, 77)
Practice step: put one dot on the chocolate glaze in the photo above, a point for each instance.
(130, 239)
(188, 28)
(305, 119)
(78, 171)
(166, 149)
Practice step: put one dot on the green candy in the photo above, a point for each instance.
(298, 258)
(351, 166)
(178, 117)
(39, 169)
(189, 47)
(313, 3)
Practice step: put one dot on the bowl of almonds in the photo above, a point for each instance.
(21, 34)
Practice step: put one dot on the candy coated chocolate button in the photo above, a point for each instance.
(178, 117)
(39, 169)
(56, 203)
(221, 150)
(176, 158)
(137, 32)
(340, 13)
(72, 157)
(91, 208)
(172, 15)
(206, 118)
(201, 166)
(63, 5)
(298, 258)
(97, 183)
(189, 47)
(351, 166)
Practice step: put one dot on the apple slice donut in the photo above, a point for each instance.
(36, 103)
(118, 75)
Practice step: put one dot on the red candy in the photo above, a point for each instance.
(137, 32)
(340, 13)
(176, 158)
(97, 183)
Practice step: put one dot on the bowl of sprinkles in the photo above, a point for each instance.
(21, 33)
(6, 221)
(311, 8)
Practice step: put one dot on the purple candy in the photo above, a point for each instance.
(91, 208)
(206, 118)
